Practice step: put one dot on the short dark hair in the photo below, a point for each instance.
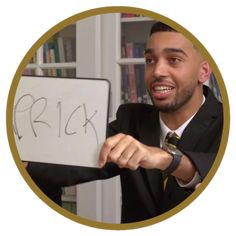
(161, 27)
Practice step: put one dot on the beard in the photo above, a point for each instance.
(180, 99)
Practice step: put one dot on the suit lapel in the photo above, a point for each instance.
(199, 124)
(192, 135)
(150, 135)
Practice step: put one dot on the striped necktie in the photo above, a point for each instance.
(171, 140)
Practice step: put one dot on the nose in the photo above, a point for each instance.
(160, 69)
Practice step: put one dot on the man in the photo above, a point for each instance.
(137, 148)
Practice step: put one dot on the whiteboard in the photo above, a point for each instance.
(60, 120)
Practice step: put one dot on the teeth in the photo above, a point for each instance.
(162, 89)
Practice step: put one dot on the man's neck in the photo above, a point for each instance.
(173, 120)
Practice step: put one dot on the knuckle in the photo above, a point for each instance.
(136, 143)
(112, 157)
(131, 165)
(121, 135)
(107, 143)
(129, 138)
(122, 162)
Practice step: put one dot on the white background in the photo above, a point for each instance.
(22, 23)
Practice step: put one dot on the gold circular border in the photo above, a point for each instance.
(42, 40)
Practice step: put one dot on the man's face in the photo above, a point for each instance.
(172, 71)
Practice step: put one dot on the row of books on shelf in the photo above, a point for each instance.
(28, 71)
(69, 198)
(133, 85)
(124, 15)
(132, 50)
(33, 59)
(69, 206)
(59, 50)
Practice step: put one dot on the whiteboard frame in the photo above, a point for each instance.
(66, 78)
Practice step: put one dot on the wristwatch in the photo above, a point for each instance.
(176, 154)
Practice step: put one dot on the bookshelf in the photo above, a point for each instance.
(134, 35)
(56, 57)
(104, 46)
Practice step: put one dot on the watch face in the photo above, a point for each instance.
(173, 150)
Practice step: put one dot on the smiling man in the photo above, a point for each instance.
(161, 151)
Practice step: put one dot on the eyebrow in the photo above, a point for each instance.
(166, 50)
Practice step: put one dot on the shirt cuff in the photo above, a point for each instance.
(192, 184)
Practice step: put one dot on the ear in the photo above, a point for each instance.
(204, 72)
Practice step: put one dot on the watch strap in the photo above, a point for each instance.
(173, 165)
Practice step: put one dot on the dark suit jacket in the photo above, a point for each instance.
(142, 190)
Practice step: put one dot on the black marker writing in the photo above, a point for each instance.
(30, 109)
(59, 118)
(67, 123)
(88, 121)
(36, 108)
(15, 127)
(35, 120)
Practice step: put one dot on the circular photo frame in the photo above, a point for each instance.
(130, 15)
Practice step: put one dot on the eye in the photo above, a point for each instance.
(149, 60)
(174, 60)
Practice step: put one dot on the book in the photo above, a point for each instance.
(131, 74)
(214, 86)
